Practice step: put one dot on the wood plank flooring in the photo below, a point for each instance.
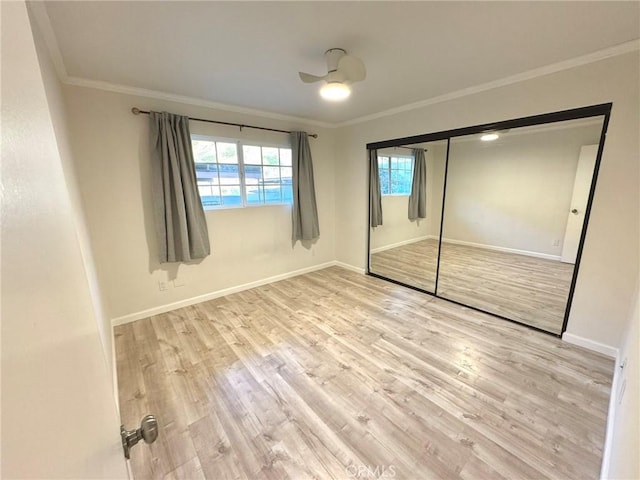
(414, 264)
(334, 374)
(527, 289)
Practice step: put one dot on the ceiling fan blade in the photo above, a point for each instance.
(308, 78)
(352, 68)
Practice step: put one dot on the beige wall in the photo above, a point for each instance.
(610, 262)
(625, 429)
(515, 192)
(111, 152)
(53, 89)
(397, 229)
(59, 417)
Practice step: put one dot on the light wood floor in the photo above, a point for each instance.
(334, 374)
(414, 264)
(527, 289)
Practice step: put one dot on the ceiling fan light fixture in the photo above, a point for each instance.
(335, 91)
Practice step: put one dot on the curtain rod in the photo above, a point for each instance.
(409, 148)
(137, 111)
(400, 146)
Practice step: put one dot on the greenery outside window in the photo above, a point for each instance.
(396, 174)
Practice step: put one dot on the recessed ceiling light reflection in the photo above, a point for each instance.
(489, 137)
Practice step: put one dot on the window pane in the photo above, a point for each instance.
(255, 194)
(272, 194)
(207, 173)
(252, 155)
(252, 174)
(210, 195)
(401, 182)
(287, 193)
(270, 156)
(203, 151)
(227, 153)
(286, 174)
(271, 174)
(285, 157)
(229, 175)
(404, 163)
(384, 181)
(231, 195)
(207, 181)
(383, 162)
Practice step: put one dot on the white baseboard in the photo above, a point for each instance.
(399, 244)
(221, 293)
(611, 416)
(350, 267)
(607, 350)
(495, 248)
(503, 249)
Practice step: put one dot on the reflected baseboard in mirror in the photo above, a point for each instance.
(413, 264)
(526, 289)
(506, 219)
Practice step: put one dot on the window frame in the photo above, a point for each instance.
(389, 169)
(240, 143)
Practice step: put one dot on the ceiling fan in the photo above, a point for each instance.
(343, 70)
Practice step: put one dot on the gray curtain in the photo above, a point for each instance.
(418, 197)
(305, 211)
(375, 197)
(181, 227)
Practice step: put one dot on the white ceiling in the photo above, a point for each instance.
(247, 54)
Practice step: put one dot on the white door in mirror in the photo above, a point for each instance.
(579, 199)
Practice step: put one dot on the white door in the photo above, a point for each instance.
(579, 198)
(59, 416)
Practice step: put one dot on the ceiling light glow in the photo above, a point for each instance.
(489, 137)
(335, 91)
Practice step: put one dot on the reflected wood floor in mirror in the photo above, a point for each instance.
(333, 373)
(414, 264)
(527, 289)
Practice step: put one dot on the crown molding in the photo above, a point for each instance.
(198, 102)
(593, 57)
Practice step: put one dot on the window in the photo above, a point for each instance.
(240, 174)
(396, 174)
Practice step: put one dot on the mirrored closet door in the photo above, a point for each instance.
(493, 216)
(404, 238)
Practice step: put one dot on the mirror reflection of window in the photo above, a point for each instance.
(403, 248)
(395, 174)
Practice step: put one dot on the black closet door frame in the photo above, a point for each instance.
(603, 109)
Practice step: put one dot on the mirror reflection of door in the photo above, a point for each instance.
(579, 199)
(513, 216)
(404, 246)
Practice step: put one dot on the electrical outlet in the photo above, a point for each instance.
(162, 286)
(623, 364)
(556, 243)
